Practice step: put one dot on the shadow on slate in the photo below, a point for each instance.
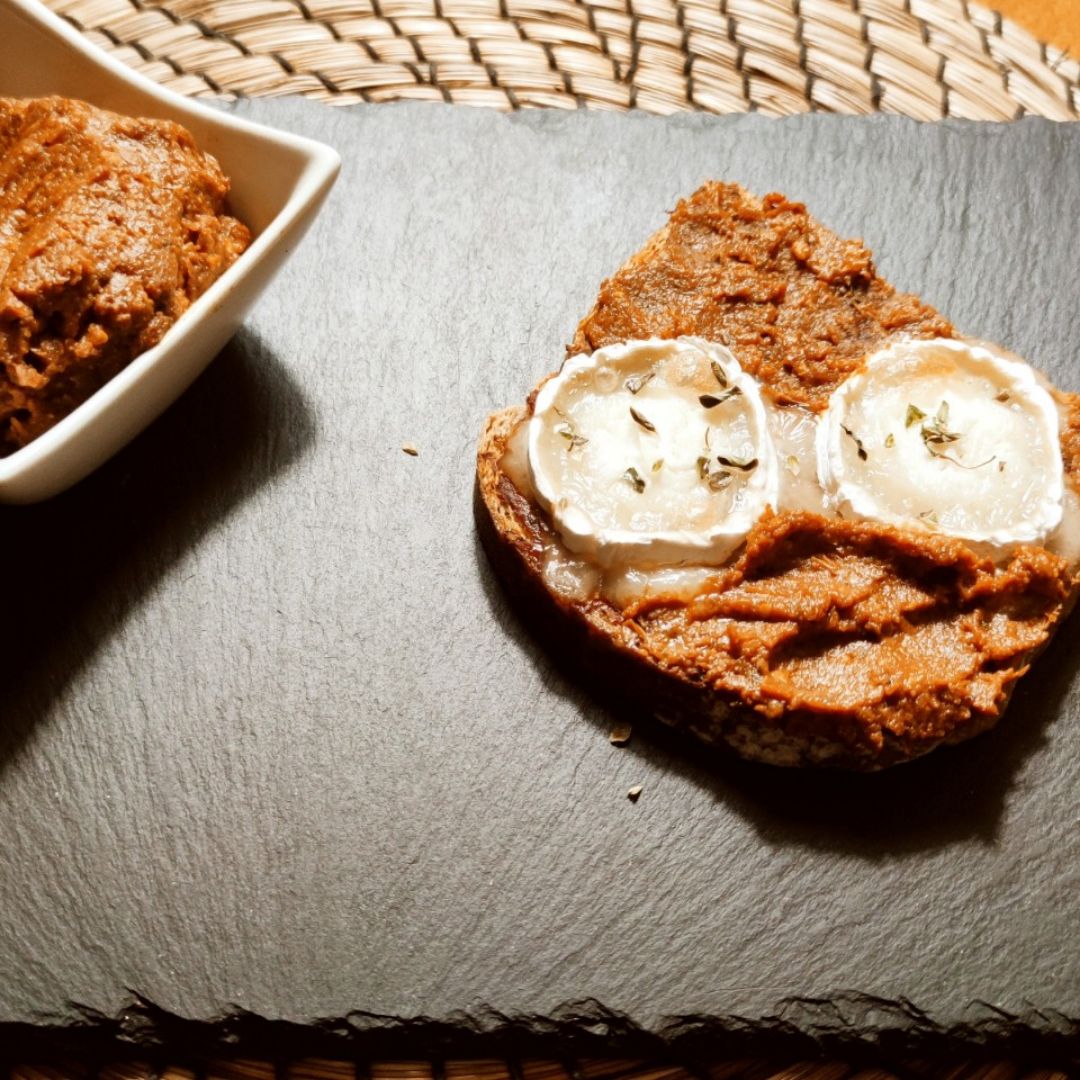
(81, 560)
(951, 794)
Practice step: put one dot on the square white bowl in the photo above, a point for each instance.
(278, 183)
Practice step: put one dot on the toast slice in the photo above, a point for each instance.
(823, 641)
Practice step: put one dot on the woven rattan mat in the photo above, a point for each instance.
(922, 58)
(529, 1070)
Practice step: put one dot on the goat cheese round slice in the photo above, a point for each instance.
(652, 453)
(948, 436)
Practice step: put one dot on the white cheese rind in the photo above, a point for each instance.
(986, 469)
(584, 440)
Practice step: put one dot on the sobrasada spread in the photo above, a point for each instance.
(800, 306)
(110, 227)
(784, 505)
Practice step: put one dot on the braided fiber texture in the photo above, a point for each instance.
(317, 1069)
(922, 58)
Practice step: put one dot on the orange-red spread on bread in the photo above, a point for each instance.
(823, 640)
(799, 306)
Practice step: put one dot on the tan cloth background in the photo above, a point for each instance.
(1055, 21)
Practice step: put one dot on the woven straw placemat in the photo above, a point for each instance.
(921, 58)
(313, 1069)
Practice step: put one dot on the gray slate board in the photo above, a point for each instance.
(272, 739)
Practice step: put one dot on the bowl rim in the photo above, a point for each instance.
(317, 172)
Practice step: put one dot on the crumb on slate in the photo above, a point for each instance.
(410, 449)
(634, 793)
(620, 734)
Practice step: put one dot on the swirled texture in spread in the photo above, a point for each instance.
(110, 227)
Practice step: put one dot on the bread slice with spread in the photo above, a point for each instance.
(782, 505)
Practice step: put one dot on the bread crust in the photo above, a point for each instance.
(917, 642)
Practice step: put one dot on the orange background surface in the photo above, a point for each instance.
(1053, 21)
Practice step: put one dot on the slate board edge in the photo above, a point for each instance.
(849, 1025)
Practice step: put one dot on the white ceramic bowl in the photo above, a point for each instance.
(278, 184)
